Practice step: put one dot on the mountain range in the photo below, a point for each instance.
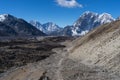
(88, 21)
(49, 28)
(85, 23)
(11, 25)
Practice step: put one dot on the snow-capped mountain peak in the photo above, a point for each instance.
(105, 15)
(19, 26)
(89, 13)
(89, 20)
(51, 26)
(86, 16)
(105, 18)
(3, 17)
(47, 28)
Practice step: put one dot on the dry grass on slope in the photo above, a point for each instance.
(94, 34)
(100, 47)
(104, 39)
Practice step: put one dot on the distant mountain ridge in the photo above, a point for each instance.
(20, 26)
(48, 28)
(85, 23)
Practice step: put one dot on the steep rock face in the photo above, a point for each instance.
(20, 26)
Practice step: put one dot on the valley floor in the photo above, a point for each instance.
(19, 52)
(30, 59)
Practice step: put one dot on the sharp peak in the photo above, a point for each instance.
(97, 14)
(105, 13)
(89, 12)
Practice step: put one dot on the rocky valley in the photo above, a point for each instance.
(94, 56)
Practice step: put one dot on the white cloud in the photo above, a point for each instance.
(68, 3)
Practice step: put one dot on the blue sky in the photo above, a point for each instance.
(61, 12)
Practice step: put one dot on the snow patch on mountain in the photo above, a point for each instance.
(105, 18)
(3, 17)
(88, 21)
(50, 27)
(74, 31)
(47, 28)
(8, 17)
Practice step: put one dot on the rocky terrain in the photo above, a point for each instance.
(19, 52)
(94, 56)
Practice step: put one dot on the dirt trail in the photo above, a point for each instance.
(63, 57)
(34, 71)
